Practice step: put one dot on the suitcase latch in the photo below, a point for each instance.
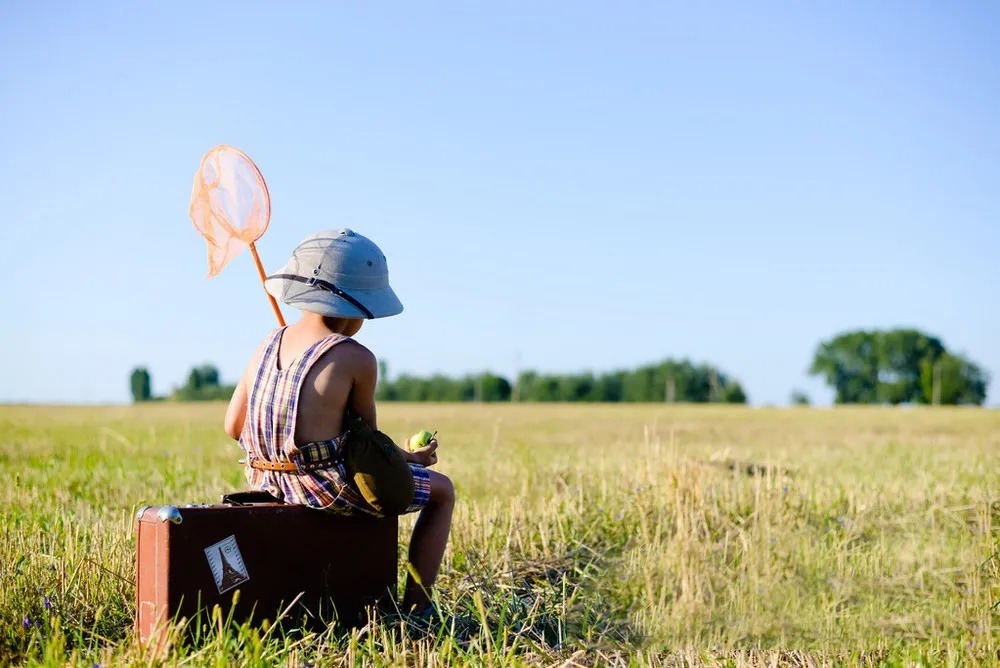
(169, 514)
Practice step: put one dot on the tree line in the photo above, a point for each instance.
(670, 380)
(897, 366)
(203, 384)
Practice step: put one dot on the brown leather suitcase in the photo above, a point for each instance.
(191, 558)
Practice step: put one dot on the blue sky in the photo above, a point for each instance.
(557, 186)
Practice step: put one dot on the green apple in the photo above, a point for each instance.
(419, 440)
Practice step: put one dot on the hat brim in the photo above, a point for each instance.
(382, 303)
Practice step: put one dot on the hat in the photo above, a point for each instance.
(337, 273)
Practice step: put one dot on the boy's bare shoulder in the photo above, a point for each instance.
(357, 352)
(351, 356)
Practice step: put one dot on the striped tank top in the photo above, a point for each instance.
(269, 433)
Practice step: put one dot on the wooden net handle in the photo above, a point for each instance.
(263, 277)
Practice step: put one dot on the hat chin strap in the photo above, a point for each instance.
(329, 287)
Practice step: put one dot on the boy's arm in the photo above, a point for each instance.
(236, 414)
(362, 396)
(362, 401)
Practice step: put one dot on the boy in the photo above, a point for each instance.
(289, 406)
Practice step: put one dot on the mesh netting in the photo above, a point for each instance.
(230, 206)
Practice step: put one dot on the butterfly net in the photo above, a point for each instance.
(230, 206)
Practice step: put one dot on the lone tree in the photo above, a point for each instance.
(141, 385)
(897, 366)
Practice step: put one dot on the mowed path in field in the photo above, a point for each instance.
(579, 527)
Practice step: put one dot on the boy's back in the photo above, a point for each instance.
(344, 373)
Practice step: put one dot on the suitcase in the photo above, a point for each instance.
(324, 566)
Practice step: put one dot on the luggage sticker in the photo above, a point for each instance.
(227, 565)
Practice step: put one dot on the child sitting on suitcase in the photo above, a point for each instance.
(306, 378)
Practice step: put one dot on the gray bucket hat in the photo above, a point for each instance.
(338, 273)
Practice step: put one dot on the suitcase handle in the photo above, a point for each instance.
(249, 498)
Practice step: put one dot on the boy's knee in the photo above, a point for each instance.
(442, 489)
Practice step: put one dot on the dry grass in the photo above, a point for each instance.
(585, 535)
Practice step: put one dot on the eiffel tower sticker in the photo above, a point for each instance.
(227, 565)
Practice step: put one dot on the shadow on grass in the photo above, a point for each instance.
(556, 603)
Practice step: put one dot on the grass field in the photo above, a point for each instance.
(586, 535)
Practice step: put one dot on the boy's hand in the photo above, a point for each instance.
(425, 456)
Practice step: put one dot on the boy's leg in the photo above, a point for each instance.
(430, 536)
